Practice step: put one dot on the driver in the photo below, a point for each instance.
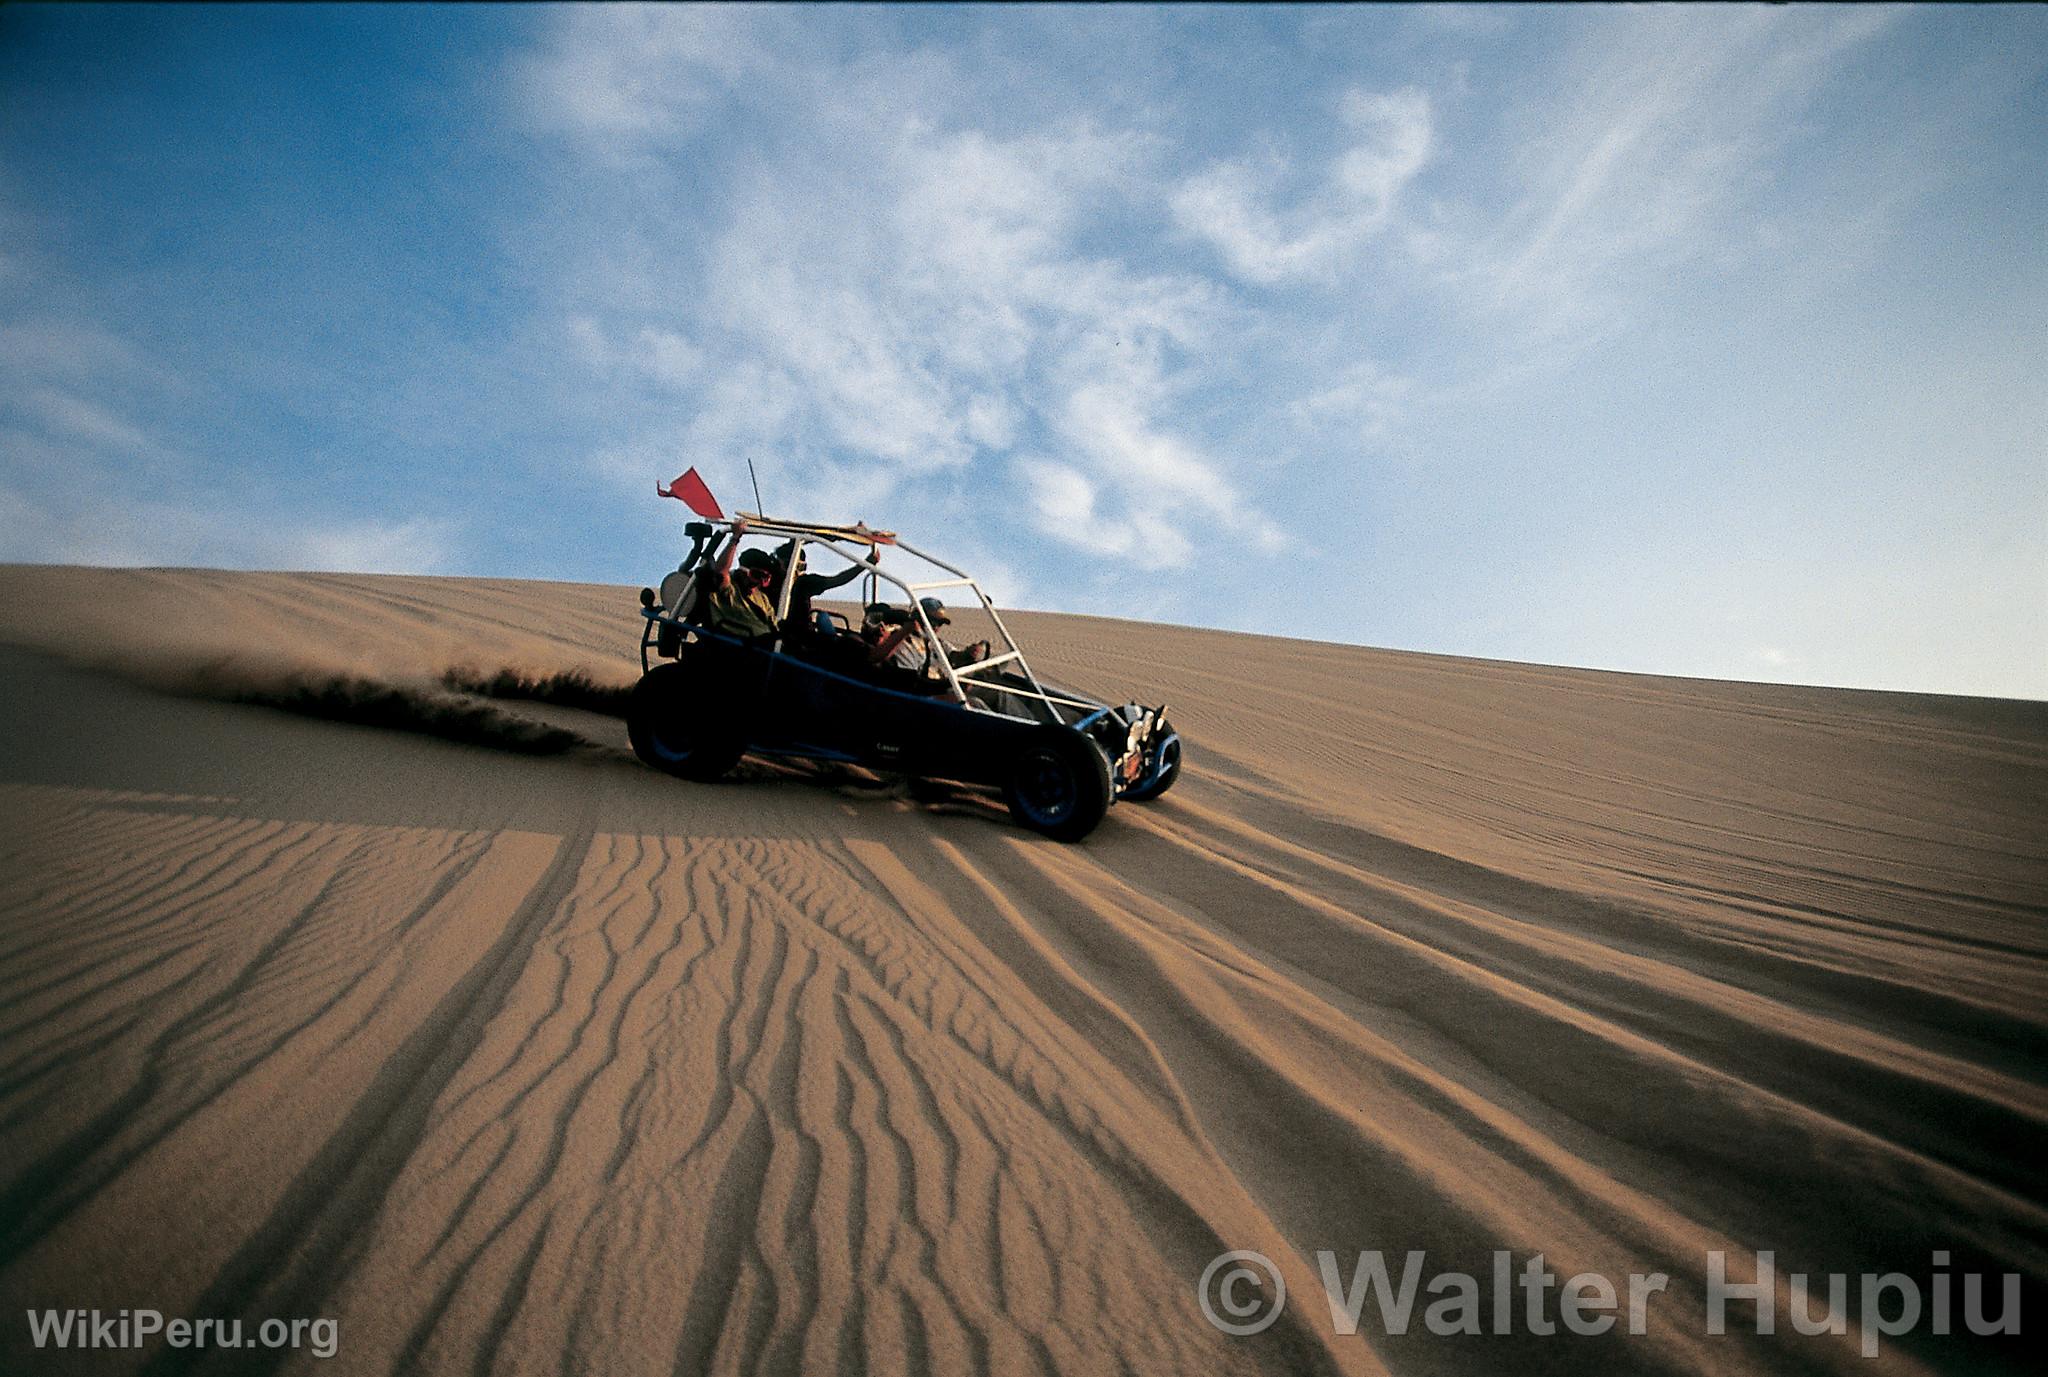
(737, 601)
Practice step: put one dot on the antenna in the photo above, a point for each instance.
(759, 509)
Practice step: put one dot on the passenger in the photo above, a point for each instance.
(901, 643)
(736, 600)
(897, 655)
(808, 586)
(935, 613)
(874, 622)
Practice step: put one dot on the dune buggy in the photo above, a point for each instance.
(810, 690)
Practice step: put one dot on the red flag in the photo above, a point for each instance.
(690, 490)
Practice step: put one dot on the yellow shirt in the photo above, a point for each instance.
(741, 614)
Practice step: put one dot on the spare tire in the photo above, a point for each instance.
(680, 724)
(1058, 784)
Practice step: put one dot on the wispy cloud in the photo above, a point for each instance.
(657, 356)
(1239, 206)
(628, 76)
(67, 393)
(62, 350)
(1661, 128)
(1365, 400)
(64, 414)
(85, 480)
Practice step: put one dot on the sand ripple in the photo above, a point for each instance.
(553, 1064)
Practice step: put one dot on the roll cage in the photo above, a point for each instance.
(852, 545)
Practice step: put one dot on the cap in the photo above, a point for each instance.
(934, 610)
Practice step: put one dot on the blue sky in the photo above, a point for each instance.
(1698, 341)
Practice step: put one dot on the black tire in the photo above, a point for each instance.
(1059, 784)
(1169, 751)
(680, 727)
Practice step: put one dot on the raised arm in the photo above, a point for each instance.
(721, 572)
(840, 579)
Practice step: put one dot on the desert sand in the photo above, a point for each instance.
(512, 1055)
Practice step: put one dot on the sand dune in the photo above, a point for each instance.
(543, 1062)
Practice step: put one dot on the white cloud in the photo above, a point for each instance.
(1365, 400)
(629, 75)
(959, 316)
(853, 347)
(1161, 473)
(1236, 206)
(1126, 485)
(1064, 503)
(83, 420)
(1657, 131)
(587, 338)
(655, 355)
(669, 358)
(992, 422)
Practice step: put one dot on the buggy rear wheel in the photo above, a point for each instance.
(1059, 784)
(680, 725)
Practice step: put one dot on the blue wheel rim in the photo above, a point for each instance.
(659, 741)
(1046, 789)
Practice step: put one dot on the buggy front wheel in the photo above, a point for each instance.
(1058, 784)
(1165, 769)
